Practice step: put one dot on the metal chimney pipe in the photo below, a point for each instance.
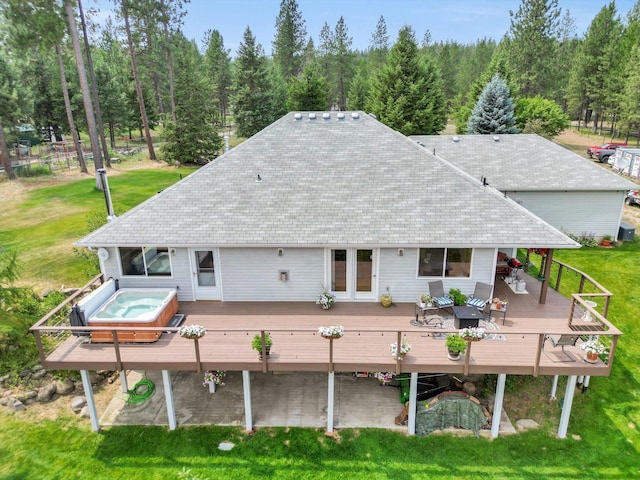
(226, 143)
(107, 194)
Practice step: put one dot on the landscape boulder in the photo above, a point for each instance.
(77, 403)
(46, 393)
(65, 387)
(16, 405)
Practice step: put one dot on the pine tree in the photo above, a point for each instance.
(193, 137)
(308, 91)
(218, 66)
(257, 102)
(494, 111)
(291, 38)
(407, 94)
(533, 33)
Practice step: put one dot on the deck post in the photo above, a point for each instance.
(566, 406)
(88, 391)
(554, 388)
(547, 274)
(497, 405)
(168, 396)
(330, 401)
(246, 390)
(413, 394)
(123, 381)
(585, 384)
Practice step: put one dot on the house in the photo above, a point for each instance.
(319, 200)
(323, 200)
(564, 189)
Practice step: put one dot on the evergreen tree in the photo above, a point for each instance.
(218, 64)
(308, 91)
(494, 111)
(257, 103)
(360, 87)
(533, 33)
(193, 137)
(379, 44)
(631, 97)
(291, 38)
(406, 94)
(343, 62)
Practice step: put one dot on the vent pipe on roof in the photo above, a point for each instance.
(456, 139)
(496, 138)
(483, 179)
(226, 143)
(312, 116)
(297, 116)
(355, 115)
(341, 115)
(259, 179)
(326, 115)
(102, 173)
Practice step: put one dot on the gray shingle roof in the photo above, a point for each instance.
(522, 162)
(349, 182)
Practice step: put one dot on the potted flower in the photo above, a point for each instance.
(455, 345)
(333, 331)
(426, 301)
(256, 343)
(404, 349)
(458, 297)
(213, 378)
(326, 299)
(385, 299)
(192, 331)
(472, 334)
(606, 241)
(384, 377)
(593, 349)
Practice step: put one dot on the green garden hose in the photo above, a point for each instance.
(141, 391)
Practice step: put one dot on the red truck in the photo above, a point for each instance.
(596, 150)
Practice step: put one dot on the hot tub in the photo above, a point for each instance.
(133, 307)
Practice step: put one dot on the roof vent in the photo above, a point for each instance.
(496, 138)
(312, 116)
(326, 115)
(341, 115)
(259, 179)
(456, 139)
(355, 115)
(297, 116)
(373, 115)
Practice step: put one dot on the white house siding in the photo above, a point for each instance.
(253, 274)
(577, 212)
(400, 273)
(180, 274)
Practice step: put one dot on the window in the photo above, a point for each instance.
(147, 261)
(444, 262)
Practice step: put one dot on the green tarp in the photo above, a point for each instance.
(449, 409)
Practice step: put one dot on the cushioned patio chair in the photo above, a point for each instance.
(436, 290)
(481, 296)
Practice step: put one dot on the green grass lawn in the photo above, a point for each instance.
(603, 440)
(44, 226)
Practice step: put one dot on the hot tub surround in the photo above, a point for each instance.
(131, 307)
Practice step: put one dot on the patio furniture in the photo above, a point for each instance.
(481, 296)
(499, 306)
(436, 290)
(465, 317)
(561, 341)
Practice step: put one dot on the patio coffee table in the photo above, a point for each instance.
(464, 317)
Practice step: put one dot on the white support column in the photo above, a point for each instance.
(585, 384)
(123, 381)
(413, 394)
(554, 387)
(497, 405)
(246, 389)
(168, 396)
(88, 392)
(330, 401)
(566, 406)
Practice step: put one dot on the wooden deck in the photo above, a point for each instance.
(369, 330)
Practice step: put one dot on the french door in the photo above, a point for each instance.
(352, 273)
(205, 274)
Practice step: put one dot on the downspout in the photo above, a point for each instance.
(102, 173)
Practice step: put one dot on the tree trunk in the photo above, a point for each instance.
(167, 39)
(94, 89)
(136, 78)
(67, 106)
(84, 87)
(4, 155)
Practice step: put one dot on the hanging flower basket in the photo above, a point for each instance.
(334, 331)
(399, 354)
(192, 331)
(384, 377)
(326, 299)
(472, 334)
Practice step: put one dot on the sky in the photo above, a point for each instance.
(464, 21)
